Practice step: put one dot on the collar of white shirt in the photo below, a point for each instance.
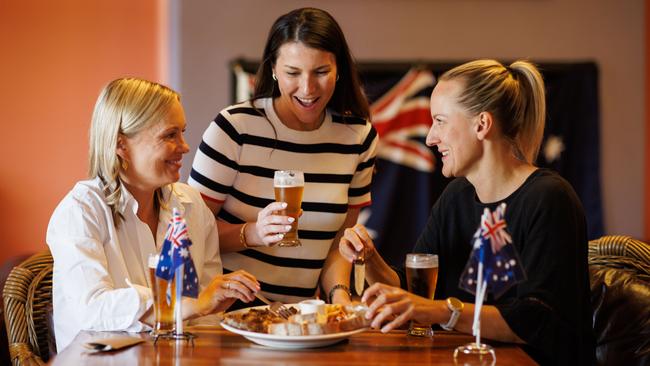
(171, 198)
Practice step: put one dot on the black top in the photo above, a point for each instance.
(551, 309)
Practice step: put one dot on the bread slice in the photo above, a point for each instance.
(304, 318)
(353, 322)
(285, 329)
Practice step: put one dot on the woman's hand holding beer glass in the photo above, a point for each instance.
(277, 223)
(271, 227)
(224, 290)
(288, 186)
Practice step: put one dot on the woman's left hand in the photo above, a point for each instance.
(392, 306)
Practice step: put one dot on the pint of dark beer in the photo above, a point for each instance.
(163, 309)
(421, 278)
(288, 186)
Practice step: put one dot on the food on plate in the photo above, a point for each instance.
(335, 319)
(254, 320)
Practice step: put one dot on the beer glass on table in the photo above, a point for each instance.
(288, 186)
(421, 278)
(162, 307)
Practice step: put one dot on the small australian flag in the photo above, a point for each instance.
(175, 252)
(492, 247)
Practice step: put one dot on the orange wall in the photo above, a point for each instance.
(56, 56)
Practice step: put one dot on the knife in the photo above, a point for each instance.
(360, 273)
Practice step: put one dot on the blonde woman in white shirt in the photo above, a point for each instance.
(102, 232)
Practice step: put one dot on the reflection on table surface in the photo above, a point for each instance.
(214, 345)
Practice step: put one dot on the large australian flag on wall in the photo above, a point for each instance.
(408, 177)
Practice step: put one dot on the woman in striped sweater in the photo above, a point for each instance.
(307, 113)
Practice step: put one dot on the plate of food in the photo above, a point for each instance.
(259, 325)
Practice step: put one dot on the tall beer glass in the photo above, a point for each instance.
(288, 186)
(421, 278)
(163, 310)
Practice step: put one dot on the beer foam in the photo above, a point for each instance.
(288, 178)
(288, 185)
(421, 260)
(425, 264)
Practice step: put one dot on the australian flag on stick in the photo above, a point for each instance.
(493, 258)
(493, 263)
(176, 252)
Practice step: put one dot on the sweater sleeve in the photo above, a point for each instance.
(216, 163)
(359, 192)
(546, 310)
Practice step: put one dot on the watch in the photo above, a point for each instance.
(456, 307)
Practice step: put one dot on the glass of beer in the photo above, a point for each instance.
(421, 278)
(162, 307)
(288, 186)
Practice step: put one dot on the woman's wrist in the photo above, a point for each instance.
(373, 259)
(377, 270)
(248, 235)
(242, 236)
(431, 312)
(192, 308)
(341, 297)
(339, 293)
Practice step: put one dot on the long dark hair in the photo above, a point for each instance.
(314, 28)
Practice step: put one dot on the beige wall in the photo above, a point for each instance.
(211, 33)
(56, 56)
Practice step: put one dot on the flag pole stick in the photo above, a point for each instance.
(179, 299)
(476, 328)
(477, 312)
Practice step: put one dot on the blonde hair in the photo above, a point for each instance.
(125, 106)
(513, 94)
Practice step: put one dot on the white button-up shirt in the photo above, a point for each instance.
(100, 277)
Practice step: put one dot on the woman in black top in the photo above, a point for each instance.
(488, 122)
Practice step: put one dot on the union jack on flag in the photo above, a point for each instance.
(402, 119)
(493, 249)
(176, 252)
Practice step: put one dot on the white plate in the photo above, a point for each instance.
(290, 342)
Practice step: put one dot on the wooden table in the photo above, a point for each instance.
(217, 346)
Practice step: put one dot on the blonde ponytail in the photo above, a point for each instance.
(513, 94)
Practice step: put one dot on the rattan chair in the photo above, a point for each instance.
(27, 299)
(622, 252)
(619, 269)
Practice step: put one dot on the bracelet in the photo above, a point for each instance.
(242, 236)
(338, 287)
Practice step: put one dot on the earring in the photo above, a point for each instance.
(274, 77)
(125, 165)
(337, 77)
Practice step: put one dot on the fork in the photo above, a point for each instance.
(275, 307)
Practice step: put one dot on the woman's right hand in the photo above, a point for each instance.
(224, 290)
(271, 227)
(390, 307)
(356, 240)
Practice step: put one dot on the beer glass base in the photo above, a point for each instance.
(289, 243)
(420, 331)
(475, 354)
(172, 335)
(160, 332)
